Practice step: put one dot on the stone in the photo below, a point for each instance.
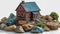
(58, 23)
(0, 22)
(37, 29)
(46, 28)
(49, 18)
(14, 26)
(21, 22)
(34, 23)
(10, 20)
(2, 26)
(3, 20)
(27, 27)
(52, 26)
(19, 29)
(42, 17)
(10, 28)
(43, 20)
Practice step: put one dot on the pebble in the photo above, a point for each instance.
(27, 27)
(52, 26)
(19, 29)
(46, 28)
(49, 18)
(37, 29)
(10, 28)
(21, 22)
(2, 26)
(3, 20)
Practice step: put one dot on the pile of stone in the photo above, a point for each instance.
(52, 25)
(8, 24)
(12, 24)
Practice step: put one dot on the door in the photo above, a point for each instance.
(31, 16)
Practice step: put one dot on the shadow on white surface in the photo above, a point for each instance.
(50, 32)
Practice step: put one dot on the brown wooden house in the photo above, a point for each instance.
(27, 10)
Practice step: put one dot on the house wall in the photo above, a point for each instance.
(39, 15)
(28, 15)
(20, 11)
(35, 16)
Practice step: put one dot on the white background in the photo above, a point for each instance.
(46, 6)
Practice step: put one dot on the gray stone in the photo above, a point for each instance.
(3, 20)
(2, 26)
(10, 20)
(37, 29)
(10, 28)
(19, 29)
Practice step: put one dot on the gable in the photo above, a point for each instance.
(20, 7)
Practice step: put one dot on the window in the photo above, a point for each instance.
(22, 15)
(18, 14)
(20, 7)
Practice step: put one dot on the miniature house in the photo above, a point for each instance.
(27, 10)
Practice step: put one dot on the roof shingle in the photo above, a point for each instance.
(30, 6)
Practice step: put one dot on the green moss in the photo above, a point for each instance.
(41, 24)
(54, 15)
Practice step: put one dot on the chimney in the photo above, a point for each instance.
(22, 1)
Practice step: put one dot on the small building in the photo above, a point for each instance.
(27, 10)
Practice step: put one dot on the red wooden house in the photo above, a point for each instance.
(27, 10)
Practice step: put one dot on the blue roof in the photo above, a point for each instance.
(30, 6)
(35, 12)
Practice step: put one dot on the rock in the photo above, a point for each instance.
(21, 22)
(10, 28)
(34, 23)
(2, 26)
(3, 20)
(52, 26)
(10, 20)
(43, 20)
(0, 22)
(46, 28)
(59, 24)
(14, 26)
(27, 27)
(19, 29)
(42, 17)
(49, 18)
(37, 29)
